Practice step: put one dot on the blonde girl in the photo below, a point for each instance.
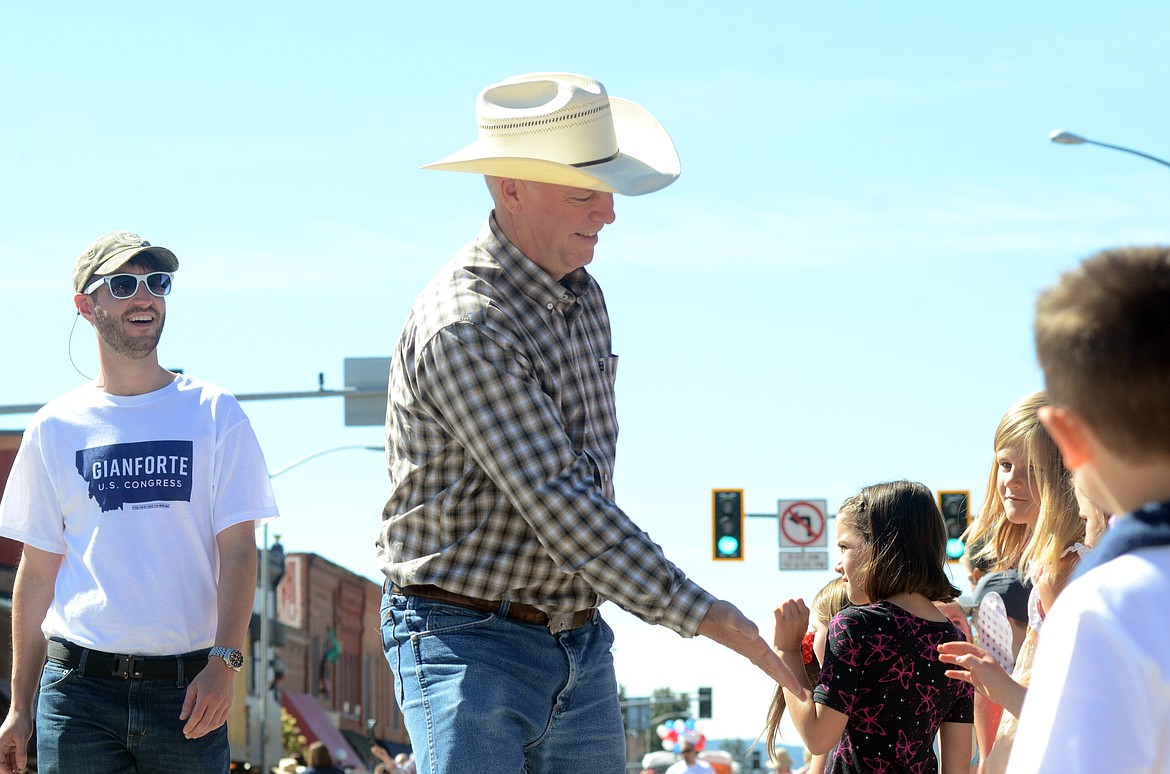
(830, 600)
(1001, 532)
(1032, 517)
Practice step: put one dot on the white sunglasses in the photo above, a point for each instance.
(158, 283)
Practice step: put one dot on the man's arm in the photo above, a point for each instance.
(209, 696)
(36, 578)
(725, 624)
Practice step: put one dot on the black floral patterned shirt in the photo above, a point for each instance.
(882, 670)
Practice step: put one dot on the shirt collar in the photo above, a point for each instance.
(532, 280)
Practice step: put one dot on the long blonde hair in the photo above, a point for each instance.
(830, 600)
(998, 540)
(1059, 526)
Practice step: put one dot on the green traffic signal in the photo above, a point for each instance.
(956, 513)
(727, 546)
(727, 523)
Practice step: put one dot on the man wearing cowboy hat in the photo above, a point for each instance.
(501, 535)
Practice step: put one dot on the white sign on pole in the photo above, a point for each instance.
(802, 524)
(804, 560)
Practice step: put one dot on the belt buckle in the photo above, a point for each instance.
(124, 667)
(560, 622)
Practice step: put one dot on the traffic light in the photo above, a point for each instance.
(727, 518)
(956, 516)
(704, 703)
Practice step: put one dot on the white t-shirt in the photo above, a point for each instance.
(681, 767)
(1099, 699)
(132, 491)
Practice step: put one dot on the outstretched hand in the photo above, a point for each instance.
(725, 624)
(980, 669)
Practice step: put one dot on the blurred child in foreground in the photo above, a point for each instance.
(1100, 696)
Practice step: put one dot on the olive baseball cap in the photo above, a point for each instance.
(112, 251)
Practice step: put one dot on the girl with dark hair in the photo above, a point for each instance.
(883, 694)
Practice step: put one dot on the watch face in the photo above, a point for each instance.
(233, 658)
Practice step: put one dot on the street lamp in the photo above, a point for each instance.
(265, 591)
(1068, 138)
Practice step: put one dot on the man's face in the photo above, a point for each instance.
(557, 226)
(130, 327)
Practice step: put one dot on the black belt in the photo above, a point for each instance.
(95, 663)
(516, 610)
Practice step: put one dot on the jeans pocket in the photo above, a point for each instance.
(55, 675)
(450, 619)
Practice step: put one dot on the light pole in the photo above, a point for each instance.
(266, 592)
(1068, 138)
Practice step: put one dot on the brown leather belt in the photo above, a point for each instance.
(517, 611)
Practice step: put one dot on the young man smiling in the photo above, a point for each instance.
(136, 497)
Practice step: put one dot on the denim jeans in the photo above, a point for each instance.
(482, 693)
(99, 725)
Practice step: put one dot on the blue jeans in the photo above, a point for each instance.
(482, 693)
(99, 725)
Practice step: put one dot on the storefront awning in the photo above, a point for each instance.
(317, 727)
(362, 745)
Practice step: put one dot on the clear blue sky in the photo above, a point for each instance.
(837, 291)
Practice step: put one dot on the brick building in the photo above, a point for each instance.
(334, 667)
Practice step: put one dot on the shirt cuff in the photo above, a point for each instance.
(686, 609)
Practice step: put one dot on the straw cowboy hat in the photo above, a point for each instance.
(563, 128)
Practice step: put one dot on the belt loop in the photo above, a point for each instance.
(180, 663)
(503, 611)
(81, 663)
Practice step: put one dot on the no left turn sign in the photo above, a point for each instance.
(802, 523)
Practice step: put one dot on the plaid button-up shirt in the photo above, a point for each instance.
(501, 433)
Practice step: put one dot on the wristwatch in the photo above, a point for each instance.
(232, 657)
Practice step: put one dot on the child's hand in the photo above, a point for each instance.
(791, 624)
(980, 669)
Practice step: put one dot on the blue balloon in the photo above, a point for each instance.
(690, 724)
